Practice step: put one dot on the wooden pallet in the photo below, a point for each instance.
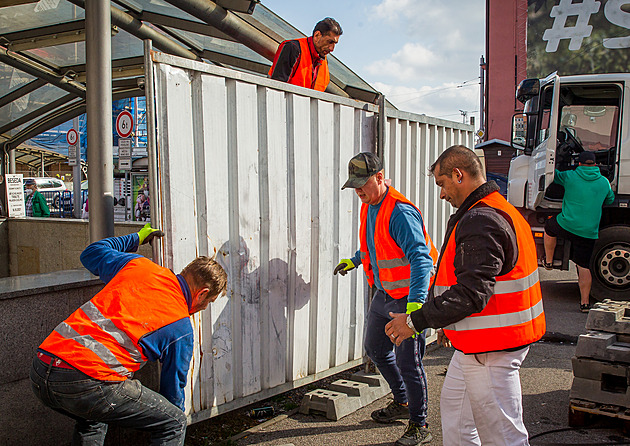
(583, 412)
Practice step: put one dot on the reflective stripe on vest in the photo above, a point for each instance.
(97, 348)
(498, 320)
(503, 286)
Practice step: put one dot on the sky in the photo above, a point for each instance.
(422, 54)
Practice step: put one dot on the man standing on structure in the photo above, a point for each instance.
(84, 368)
(585, 192)
(398, 257)
(303, 61)
(487, 298)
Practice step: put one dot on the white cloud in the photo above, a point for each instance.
(407, 63)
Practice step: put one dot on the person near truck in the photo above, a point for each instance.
(586, 190)
(303, 61)
(34, 202)
(84, 368)
(397, 256)
(486, 298)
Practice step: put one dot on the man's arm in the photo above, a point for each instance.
(610, 197)
(108, 256)
(173, 346)
(486, 248)
(287, 59)
(406, 228)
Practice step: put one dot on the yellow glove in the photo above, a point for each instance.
(344, 266)
(147, 234)
(411, 307)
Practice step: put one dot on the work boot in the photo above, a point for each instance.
(393, 411)
(414, 435)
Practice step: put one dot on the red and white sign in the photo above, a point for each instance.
(72, 137)
(124, 124)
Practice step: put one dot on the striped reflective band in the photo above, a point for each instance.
(392, 263)
(498, 320)
(99, 349)
(108, 326)
(394, 285)
(502, 286)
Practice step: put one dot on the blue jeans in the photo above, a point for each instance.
(93, 404)
(400, 366)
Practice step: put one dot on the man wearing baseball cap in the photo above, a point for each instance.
(585, 192)
(398, 258)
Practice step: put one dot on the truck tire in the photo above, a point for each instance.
(610, 264)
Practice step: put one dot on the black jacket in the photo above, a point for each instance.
(486, 247)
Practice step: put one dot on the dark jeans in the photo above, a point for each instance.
(94, 404)
(400, 366)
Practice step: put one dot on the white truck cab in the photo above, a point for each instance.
(564, 116)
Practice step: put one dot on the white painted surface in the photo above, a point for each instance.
(251, 171)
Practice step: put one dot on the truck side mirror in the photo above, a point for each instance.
(519, 131)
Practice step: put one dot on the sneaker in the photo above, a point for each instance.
(547, 266)
(393, 411)
(584, 308)
(415, 435)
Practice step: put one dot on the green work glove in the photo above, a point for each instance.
(411, 307)
(147, 234)
(344, 266)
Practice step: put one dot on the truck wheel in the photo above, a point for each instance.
(610, 264)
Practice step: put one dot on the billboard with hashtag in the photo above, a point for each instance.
(578, 37)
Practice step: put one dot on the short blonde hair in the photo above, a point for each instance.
(205, 272)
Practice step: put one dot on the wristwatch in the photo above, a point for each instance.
(410, 324)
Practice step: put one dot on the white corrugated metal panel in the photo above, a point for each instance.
(251, 171)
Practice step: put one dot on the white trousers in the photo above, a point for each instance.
(481, 402)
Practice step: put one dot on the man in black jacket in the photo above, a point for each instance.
(487, 297)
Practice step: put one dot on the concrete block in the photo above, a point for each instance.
(334, 404)
(604, 347)
(591, 390)
(371, 379)
(598, 370)
(610, 316)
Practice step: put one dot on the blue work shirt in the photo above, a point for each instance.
(172, 344)
(406, 228)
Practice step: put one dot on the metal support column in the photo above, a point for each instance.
(154, 181)
(76, 174)
(98, 50)
(12, 165)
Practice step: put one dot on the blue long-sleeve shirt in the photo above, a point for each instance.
(172, 344)
(406, 228)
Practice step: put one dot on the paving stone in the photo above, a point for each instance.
(604, 346)
(610, 316)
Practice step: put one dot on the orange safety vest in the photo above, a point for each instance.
(394, 269)
(514, 316)
(101, 337)
(303, 75)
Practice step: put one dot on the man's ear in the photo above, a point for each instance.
(317, 34)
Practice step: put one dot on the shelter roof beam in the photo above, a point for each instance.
(22, 63)
(22, 91)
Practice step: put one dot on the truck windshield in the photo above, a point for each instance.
(594, 126)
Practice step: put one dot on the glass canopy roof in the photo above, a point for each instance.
(42, 54)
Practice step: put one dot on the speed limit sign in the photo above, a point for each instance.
(72, 136)
(124, 124)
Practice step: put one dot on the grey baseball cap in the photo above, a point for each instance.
(361, 167)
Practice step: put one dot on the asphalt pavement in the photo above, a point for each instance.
(546, 378)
